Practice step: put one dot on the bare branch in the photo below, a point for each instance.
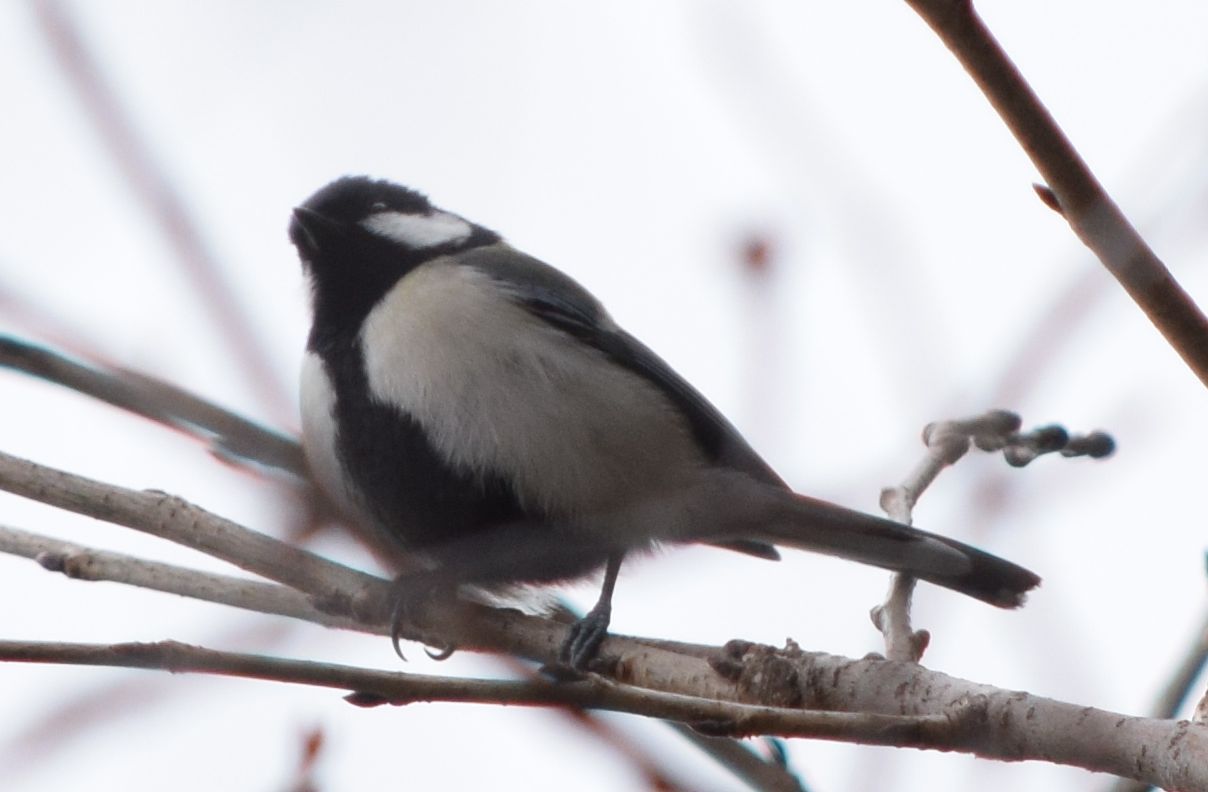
(1081, 199)
(332, 587)
(947, 442)
(371, 687)
(175, 519)
(928, 710)
(742, 762)
(776, 684)
(1015, 726)
(229, 435)
(86, 563)
(1171, 699)
(892, 619)
(1190, 668)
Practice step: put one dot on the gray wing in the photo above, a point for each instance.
(559, 300)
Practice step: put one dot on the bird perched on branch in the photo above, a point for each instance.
(481, 409)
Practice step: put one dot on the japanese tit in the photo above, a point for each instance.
(470, 404)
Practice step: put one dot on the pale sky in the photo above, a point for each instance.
(636, 146)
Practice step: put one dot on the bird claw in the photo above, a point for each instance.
(409, 590)
(584, 638)
(444, 653)
(398, 615)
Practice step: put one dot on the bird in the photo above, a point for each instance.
(479, 411)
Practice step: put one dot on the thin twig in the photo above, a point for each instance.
(230, 436)
(1086, 206)
(1175, 694)
(946, 442)
(979, 720)
(396, 688)
(177, 520)
(742, 761)
(90, 564)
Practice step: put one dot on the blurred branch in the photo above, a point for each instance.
(1178, 689)
(1078, 195)
(742, 762)
(150, 183)
(304, 779)
(230, 436)
(1171, 700)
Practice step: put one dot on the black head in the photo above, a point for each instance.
(351, 200)
(357, 236)
(360, 208)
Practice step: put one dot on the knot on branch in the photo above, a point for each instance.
(75, 564)
(762, 674)
(170, 505)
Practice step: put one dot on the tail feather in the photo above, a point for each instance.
(822, 527)
(731, 509)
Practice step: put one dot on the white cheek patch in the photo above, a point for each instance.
(418, 232)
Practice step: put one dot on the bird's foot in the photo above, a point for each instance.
(584, 638)
(407, 596)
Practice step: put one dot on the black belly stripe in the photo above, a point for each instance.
(417, 498)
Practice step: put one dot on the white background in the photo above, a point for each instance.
(636, 145)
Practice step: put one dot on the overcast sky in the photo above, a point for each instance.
(638, 146)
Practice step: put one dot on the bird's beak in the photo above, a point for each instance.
(311, 231)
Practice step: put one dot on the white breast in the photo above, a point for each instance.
(317, 400)
(498, 389)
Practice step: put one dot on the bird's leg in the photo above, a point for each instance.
(518, 552)
(585, 636)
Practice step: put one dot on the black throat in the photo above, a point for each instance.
(416, 498)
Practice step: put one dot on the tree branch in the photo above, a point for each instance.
(371, 687)
(177, 520)
(979, 719)
(775, 685)
(90, 564)
(1081, 199)
(947, 442)
(230, 436)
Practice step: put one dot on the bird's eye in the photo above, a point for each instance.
(378, 206)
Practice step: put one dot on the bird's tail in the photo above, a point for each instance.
(734, 510)
(812, 524)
